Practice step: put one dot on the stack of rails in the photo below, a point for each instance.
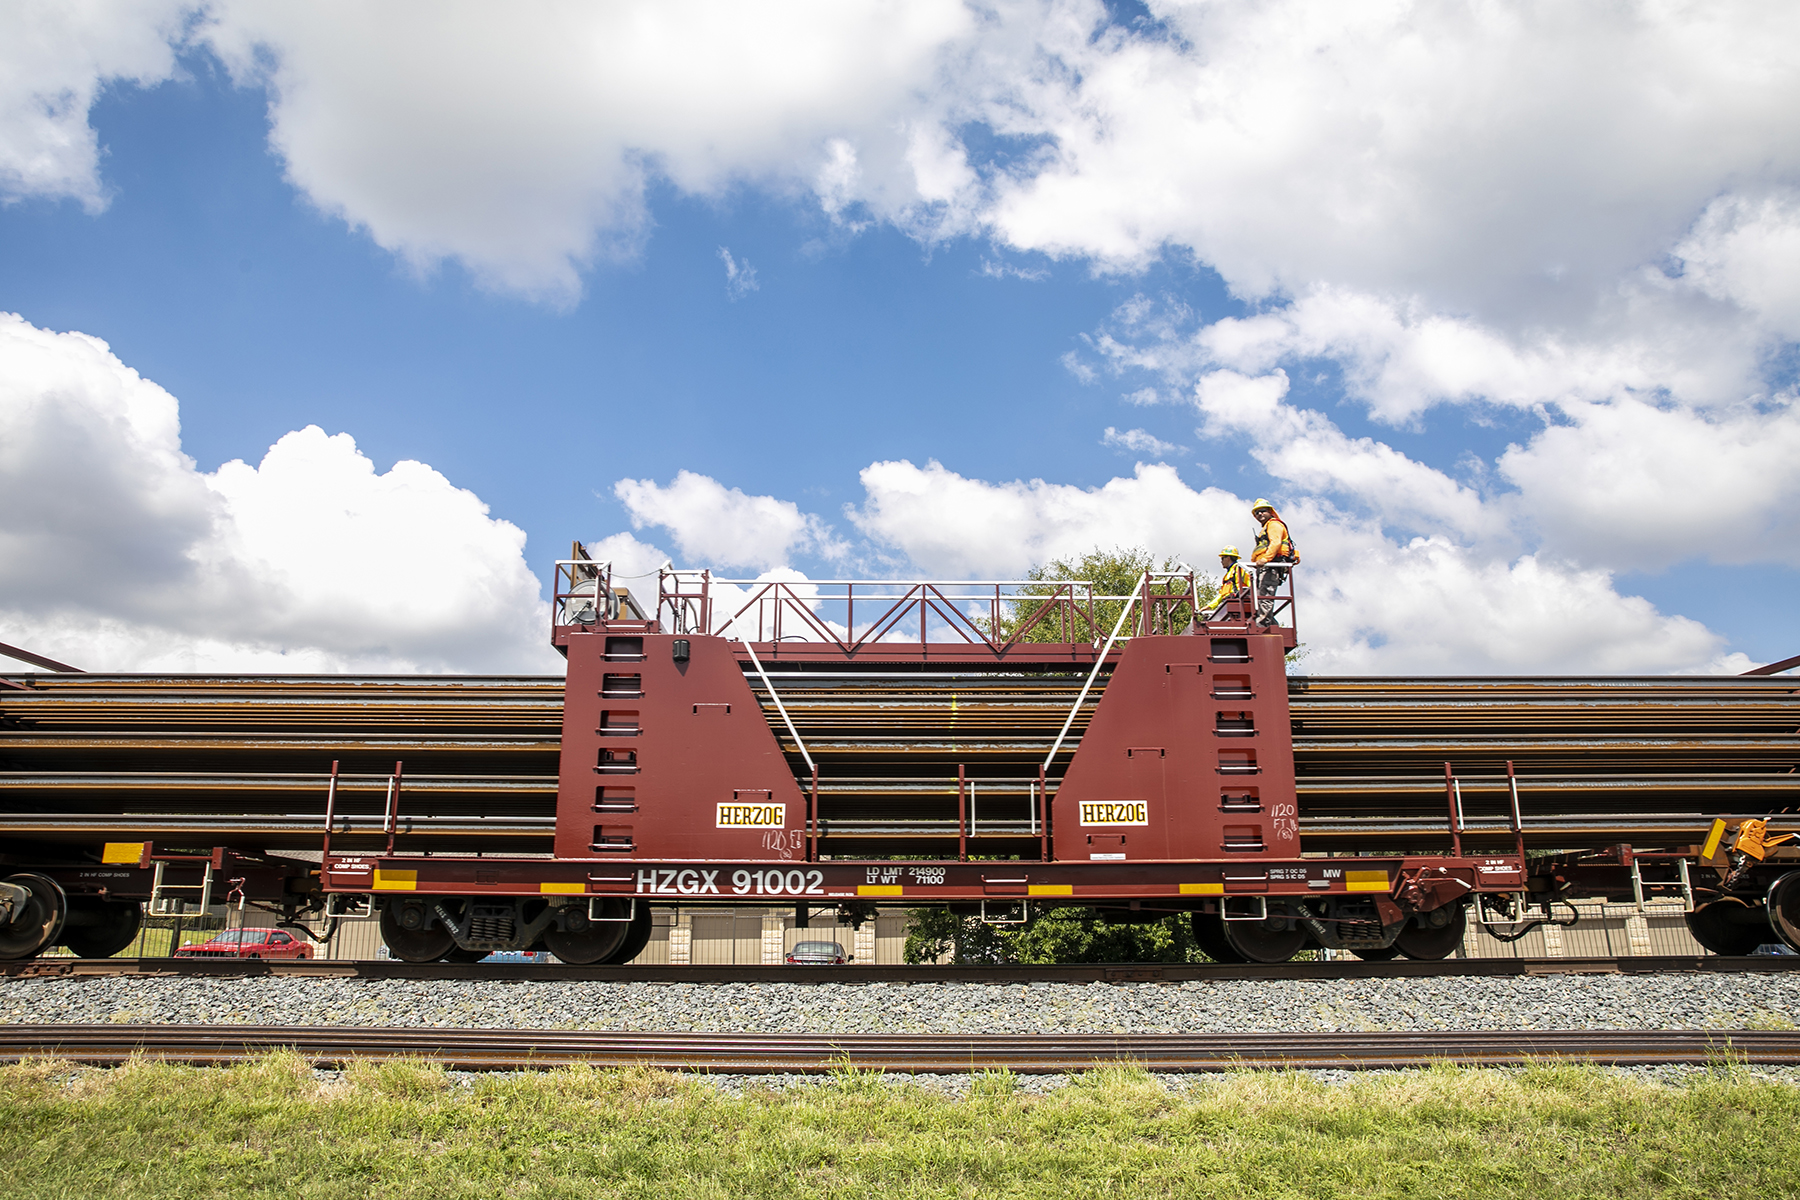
(242, 760)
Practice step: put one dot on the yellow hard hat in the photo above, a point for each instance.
(1260, 505)
(1232, 551)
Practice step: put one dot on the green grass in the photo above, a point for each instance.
(405, 1129)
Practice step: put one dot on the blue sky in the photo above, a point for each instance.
(990, 309)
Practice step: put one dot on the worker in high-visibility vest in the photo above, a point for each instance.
(1274, 556)
(1236, 583)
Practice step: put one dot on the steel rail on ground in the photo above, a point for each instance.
(852, 976)
(471, 1049)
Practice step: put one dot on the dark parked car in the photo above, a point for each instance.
(818, 954)
(250, 943)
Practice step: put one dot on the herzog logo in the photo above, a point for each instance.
(752, 816)
(1115, 812)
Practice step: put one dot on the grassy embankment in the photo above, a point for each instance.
(405, 1129)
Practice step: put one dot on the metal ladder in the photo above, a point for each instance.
(163, 904)
(1682, 883)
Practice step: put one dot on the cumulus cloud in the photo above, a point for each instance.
(54, 59)
(1513, 161)
(948, 526)
(724, 527)
(1370, 602)
(120, 554)
(519, 139)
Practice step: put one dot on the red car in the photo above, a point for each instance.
(250, 943)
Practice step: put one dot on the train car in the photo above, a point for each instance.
(996, 747)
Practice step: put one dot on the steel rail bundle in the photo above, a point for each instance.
(1623, 759)
(470, 1049)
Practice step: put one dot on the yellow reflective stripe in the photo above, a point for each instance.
(878, 889)
(1365, 881)
(1051, 889)
(1713, 839)
(122, 852)
(565, 888)
(396, 881)
(1203, 889)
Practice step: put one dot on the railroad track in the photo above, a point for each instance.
(515, 1049)
(218, 968)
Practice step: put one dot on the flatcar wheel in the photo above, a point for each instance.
(1209, 935)
(584, 941)
(637, 936)
(414, 945)
(1784, 909)
(1375, 953)
(99, 928)
(36, 923)
(1430, 942)
(1265, 941)
(459, 955)
(1729, 926)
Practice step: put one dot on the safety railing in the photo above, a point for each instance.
(854, 614)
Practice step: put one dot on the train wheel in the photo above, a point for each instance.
(1419, 940)
(1209, 935)
(39, 910)
(584, 941)
(99, 928)
(413, 945)
(1784, 909)
(636, 938)
(1729, 926)
(458, 954)
(1265, 941)
(1375, 953)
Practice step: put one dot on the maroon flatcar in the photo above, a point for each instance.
(867, 744)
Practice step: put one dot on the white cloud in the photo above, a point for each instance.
(55, 55)
(119, 554)
(1746, 250)
(1633, 484)
(1510, 163)
(1303, 447)
(721, 526)
(1138, 441)
(740, 277)
(519, 138)
(950, 526)
(1368, 602)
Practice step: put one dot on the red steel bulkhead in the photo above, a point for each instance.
(1190, 755)
(666, 754)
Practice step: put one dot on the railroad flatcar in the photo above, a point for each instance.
(994, 747)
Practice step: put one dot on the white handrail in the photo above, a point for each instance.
(773, 694)
(1095, 673)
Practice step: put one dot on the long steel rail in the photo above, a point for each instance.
(1338, 969)
(470, 1049)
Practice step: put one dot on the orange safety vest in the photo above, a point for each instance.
(1237, 579)
(1269, 547)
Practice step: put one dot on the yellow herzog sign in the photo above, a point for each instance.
(1115, 812)
(752, 816)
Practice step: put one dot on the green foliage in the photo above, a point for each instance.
(1114, 572)
(1058, 935)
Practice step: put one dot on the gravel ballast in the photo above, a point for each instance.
(1672, 1001)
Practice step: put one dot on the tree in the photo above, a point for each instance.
(1114, 572)
(1059, 935)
